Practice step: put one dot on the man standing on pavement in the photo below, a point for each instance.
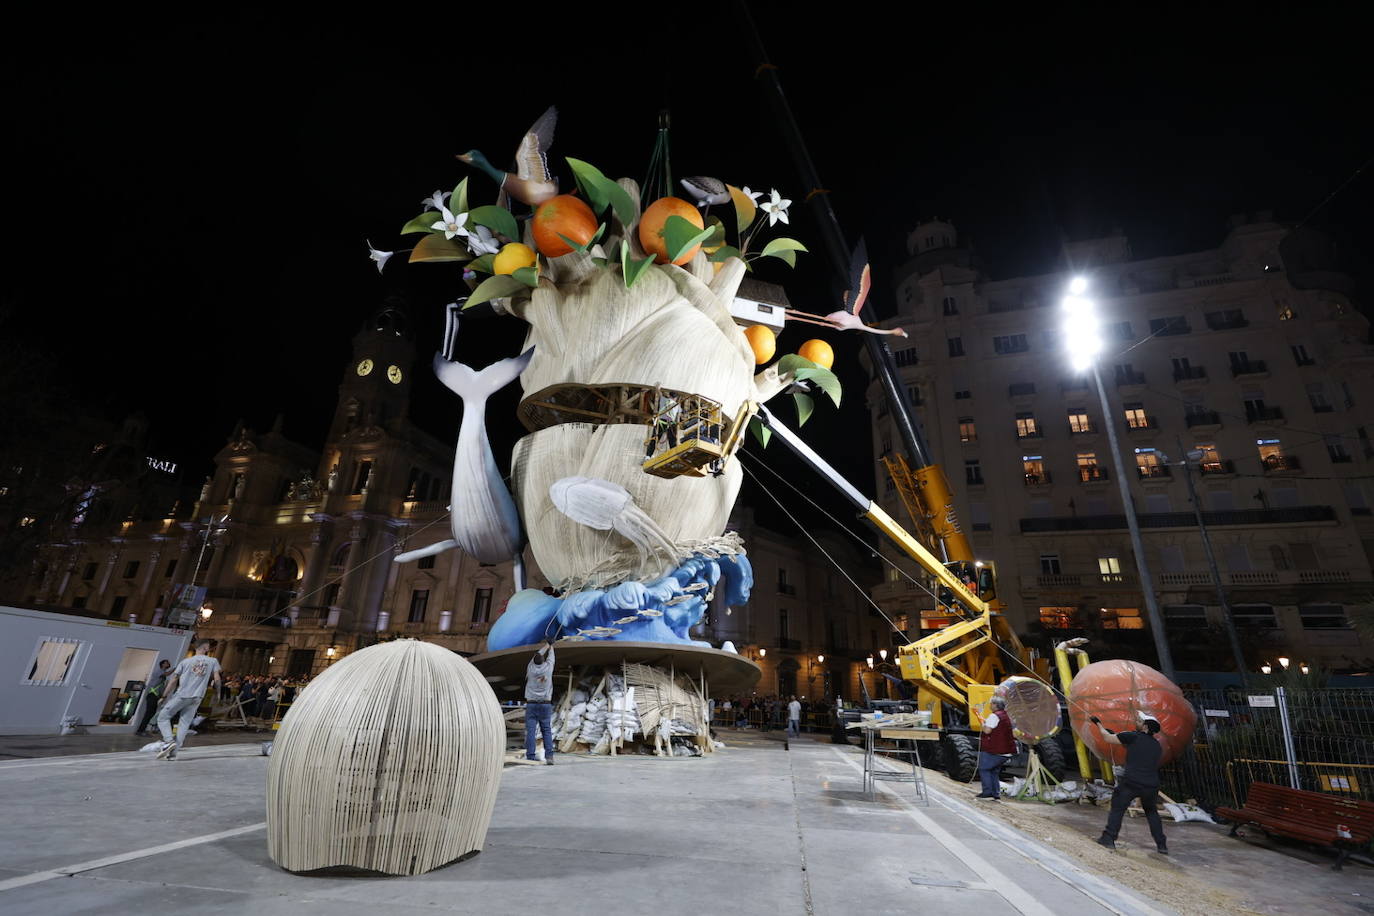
(1140, 779)
(539, 701)
(155, 688)
(995, 747)
(185, 690)
(794, 718)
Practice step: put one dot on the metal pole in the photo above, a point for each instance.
(1288, 750)
(1147, 586)
(1226, 617)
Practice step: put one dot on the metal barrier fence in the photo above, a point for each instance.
(813, 721)
(1319, 739)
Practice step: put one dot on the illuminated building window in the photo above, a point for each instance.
(1122, 618)
(1060, 618)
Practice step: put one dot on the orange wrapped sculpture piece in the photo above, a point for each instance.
(1115, 691)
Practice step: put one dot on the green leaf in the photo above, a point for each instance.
(784, 250)
(631, 268)
(777, 245)
(745, 209)
(724, 252)
(498, 287)
(528, 276)
(422, 223)
(824, 379)
(679, 236)
(792, 362)
(437, 248)
(600, 262)
(458, 200)
(497, 219)
(805, 406)
(596, 237)
(586, 176)
(602, 192)
(761, 432)
(484, 264)
(717, 236)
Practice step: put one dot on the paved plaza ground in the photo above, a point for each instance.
(755, 828)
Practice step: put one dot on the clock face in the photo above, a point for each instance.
(365, 367)
(393, 374)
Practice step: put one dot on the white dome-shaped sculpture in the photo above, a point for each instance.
(389, 761)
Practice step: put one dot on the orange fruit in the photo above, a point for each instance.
(651, 228)
(762, 342)
(819, 352)
(562, 215)
(513, 257)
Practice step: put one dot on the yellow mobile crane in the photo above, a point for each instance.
(957, 666)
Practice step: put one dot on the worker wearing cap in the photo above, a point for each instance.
(995, 748)
(1139, 779)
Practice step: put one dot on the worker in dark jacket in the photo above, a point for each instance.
(995, 747)
(1139, 779)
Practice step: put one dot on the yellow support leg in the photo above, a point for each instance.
(1061, 661)
(1108, 774)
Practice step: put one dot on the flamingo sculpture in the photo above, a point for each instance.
(847, 318)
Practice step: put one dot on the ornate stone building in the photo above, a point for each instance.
(1250, 356)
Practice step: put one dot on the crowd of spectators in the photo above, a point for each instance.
(260, 695)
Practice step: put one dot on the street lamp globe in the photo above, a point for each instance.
(205, 612)
(1283, 660)
(820, 659)
(870, 662)
(882, 653)
(1266, 668)
(762, 652)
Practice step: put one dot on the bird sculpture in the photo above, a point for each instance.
(707, 192)
(847, 318)
(531, 182)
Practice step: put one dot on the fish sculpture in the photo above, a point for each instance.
(482, 516)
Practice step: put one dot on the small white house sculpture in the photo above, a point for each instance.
(389, 761)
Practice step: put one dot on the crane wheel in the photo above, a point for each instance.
(1052, 756)
(960, 754)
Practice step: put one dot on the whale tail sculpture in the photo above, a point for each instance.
(482, 515)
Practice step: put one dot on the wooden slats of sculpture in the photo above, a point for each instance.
(389, 761)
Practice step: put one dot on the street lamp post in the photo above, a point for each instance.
(1231, 634)
(1083, 343)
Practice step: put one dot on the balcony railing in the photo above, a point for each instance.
(1147, 471)
(1036, 480)
(1092, 474)
(1139, 423)
(1030, 434)
(1083, 429)
(1202, 418)
(1213, 468)
(1190, 374)
(1263, 414)
(1130, 378)
(1250, 517)
(1051, 580)
(1249, 367)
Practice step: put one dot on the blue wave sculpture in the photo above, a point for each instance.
(660, 611)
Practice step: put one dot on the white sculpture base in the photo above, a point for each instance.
(389, 761)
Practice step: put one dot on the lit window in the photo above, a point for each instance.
(1025, 426)
(1147, 463)
(1078, 421)
(1059, 618)
(1135, 416)
(968, 432)
(1122, 618)
(1088, 469)
(1034, 469)
(1109, 566)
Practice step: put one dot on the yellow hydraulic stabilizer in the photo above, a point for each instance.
(926, 496)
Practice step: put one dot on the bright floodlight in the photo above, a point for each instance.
(1266, 668)
(1283, 660)
(1082, 341)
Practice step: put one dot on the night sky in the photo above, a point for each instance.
(186, 200)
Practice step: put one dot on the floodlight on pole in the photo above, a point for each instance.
(1083, 345)
(1283, 660)
(1266, 668)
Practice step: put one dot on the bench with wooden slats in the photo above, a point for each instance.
(1311, 817)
